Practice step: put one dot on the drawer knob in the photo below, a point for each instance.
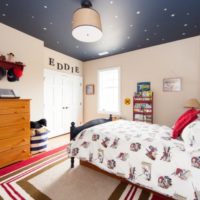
(24, 151)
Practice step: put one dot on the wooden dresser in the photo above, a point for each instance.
(14, 130)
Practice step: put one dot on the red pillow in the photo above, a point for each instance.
(186, 118)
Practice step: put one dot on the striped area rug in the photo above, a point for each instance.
(48, 176)
(126, 191)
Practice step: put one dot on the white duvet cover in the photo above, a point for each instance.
(144, 154)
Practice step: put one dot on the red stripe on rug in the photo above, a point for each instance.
(133, 194)
(126, 198)
(17, 193)
(8, 192)
(21, 164)
(35, 168)
(7, 183)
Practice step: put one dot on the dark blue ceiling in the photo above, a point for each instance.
(127, 24)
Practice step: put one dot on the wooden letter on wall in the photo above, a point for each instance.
(59, 66)
(51, 62)
(64, 66)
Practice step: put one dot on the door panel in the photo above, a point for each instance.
(63, 101)
(67, 102)
(58, 129)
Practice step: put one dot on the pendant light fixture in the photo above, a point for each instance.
(86, 23)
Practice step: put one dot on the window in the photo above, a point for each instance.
(109, 91)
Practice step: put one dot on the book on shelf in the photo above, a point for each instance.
(143, 106)
(146, 95)
(143, 86)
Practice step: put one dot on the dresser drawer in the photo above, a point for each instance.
(16, 130)
(14, 106)
(13, 142)
(16, 119)
(14, 155)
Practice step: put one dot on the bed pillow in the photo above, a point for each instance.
(191, 136)
(185, 119)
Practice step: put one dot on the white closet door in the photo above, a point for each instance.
(58, 104)
(67, 102)
(63, 101)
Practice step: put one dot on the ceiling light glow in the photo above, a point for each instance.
(103, 53)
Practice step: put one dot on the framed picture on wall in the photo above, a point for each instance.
(90, 89)
(172, 84)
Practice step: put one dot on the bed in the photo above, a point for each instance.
(142, 153)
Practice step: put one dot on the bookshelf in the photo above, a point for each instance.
(143, 107)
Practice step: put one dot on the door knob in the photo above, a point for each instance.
(65, 107)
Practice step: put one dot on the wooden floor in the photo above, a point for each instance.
(58, 141)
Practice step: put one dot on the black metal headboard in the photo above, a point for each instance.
(74, 131)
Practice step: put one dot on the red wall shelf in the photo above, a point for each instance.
(143, 101)
(7, 65)
(143, 113)
(140, 113)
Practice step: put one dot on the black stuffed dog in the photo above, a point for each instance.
(38, 124)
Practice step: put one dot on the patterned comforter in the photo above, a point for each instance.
(144, 154)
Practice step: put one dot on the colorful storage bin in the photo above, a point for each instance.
(39, 140)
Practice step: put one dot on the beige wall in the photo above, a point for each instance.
(28, 50)
(31, 52)
(176, 59)
(62, 59)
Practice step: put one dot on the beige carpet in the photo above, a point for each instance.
(77, 183)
